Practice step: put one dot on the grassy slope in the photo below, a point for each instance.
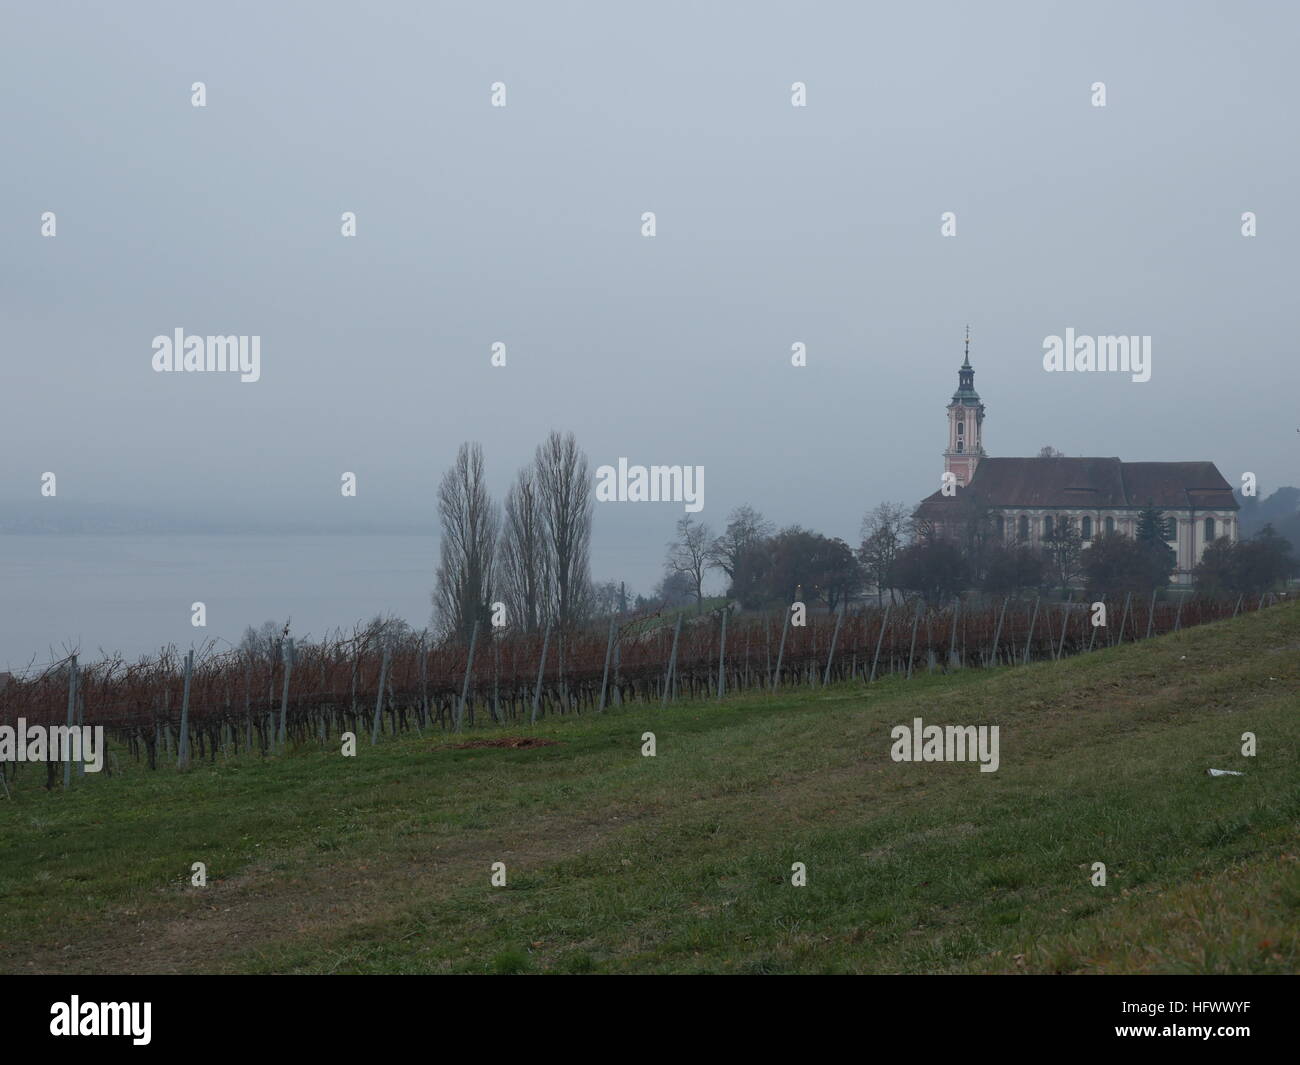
(682, 862)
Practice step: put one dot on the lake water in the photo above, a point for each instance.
(133, 593)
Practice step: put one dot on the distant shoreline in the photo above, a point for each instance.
(145, 529)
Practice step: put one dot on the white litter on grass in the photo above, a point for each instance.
(1224, 773)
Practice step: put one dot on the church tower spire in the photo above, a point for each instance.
(965, 425)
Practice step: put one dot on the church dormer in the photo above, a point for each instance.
(965, 424)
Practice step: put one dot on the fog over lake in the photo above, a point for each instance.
(132, 593)
(778, 225)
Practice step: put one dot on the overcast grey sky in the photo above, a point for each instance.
(521, 224)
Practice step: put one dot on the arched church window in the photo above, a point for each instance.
(1000, 524)
(1023, 530)
(1047, 525)
(1087, 527)
(1209, 529)
(1110, 525)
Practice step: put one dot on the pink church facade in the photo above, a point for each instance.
(1027, 497)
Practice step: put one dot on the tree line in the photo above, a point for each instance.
(528, 557)
(908, 552)
(763, 567)
(902, 552)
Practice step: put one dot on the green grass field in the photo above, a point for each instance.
(682, 862)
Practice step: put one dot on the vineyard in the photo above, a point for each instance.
(178, 707)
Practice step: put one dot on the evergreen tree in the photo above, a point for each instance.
(1153, 532)
(1152, 526)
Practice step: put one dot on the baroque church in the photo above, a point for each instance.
(1095, 495)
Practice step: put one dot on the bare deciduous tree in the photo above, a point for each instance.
(564, 487)
(674, 590)
(525, 557)
(608, 599)
(263, 644)
(470, 524)
(884, 534)
(689, 554)
(1063, 551)
(746, 529)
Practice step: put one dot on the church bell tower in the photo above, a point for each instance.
(965, 425)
